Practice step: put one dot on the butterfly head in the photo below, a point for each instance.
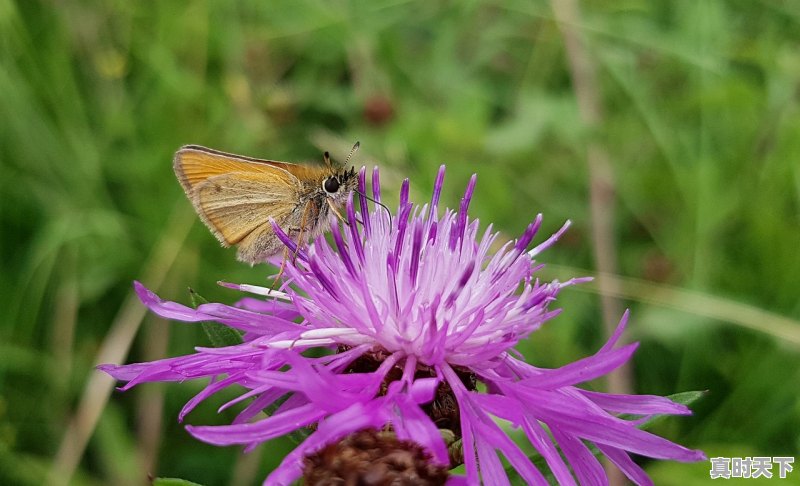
(338, 186)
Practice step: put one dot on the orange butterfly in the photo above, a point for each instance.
(235, 196)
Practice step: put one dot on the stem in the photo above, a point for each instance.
(601, 185)
(115, 349)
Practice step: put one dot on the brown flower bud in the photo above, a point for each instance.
(373, 458)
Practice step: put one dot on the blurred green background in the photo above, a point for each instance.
(701, 124)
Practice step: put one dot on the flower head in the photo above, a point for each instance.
(416, 311)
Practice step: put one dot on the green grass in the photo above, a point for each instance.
(702, 122)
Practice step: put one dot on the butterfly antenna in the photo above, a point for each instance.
(352, 152)
(326, 157)
(378, 203)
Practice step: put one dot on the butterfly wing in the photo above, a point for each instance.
(194, 164)
(234, 205)
(234, 195)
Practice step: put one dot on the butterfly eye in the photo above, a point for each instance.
(331, 185)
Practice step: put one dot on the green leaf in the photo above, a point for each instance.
(688, 398)
(220, 335)
(684, 398)
(173, 482)
(298, 435)
(197, 299)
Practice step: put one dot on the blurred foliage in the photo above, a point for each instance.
(701, 120)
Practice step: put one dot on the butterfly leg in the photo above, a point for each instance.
(280, 272)
(303, 221)
(336, 211)
(300, 233)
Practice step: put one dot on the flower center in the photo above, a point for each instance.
(373, 457)
(443, 409)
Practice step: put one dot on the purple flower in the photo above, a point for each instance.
(416, 312)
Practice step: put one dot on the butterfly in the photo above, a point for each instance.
(236, 196)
